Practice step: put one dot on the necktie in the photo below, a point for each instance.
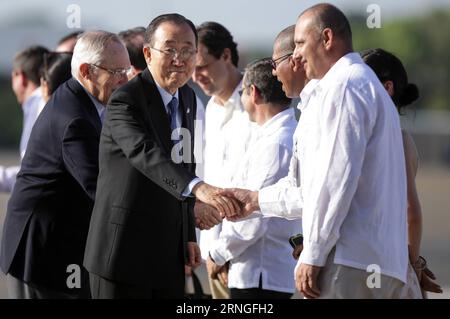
(173, 112)
(173, 118)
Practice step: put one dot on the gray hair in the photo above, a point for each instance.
(90, 48)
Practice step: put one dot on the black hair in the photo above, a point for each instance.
(134, 46)
(216, 38)
(388, 67)
(170, 17)
(56, 69)
(29, 61)
(259, 74)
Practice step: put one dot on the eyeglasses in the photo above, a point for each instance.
(276, 62)
(116, 72)
(183, 54)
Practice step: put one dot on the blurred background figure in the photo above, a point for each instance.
(55, 71)
(134, 42)
(68, 42)
(227, 126)
(257, 248)
(25, 80)
(391, 72)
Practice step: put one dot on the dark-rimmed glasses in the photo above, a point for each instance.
(277, 61)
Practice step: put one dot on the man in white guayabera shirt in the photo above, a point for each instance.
(349, 182)
(257, 248)
(227, 126)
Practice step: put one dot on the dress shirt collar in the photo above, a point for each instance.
(234, 101)
(98, 105)
(235, 98)
(274, 124)
(329, 78)
(37, 94)
(166, 96)
(306, 93)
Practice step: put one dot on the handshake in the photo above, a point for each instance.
(213, 204)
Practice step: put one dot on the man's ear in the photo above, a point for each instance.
(255, 95)
(327, 38)
(226, 55)
(389, 86)
(85, 71)
(22, 78)
(147, 54)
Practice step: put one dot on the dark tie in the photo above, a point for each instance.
(173, 112)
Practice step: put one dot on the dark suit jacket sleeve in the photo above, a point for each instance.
(80, 154)
(141, 149)
(192, 236)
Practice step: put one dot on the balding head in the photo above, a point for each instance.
(288, 71)
(325, 16)
(284, 42)
(322, 37)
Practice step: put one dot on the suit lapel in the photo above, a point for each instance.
(188, 113)
(86, 101)
(156, 111)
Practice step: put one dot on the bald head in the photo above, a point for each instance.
(285, 40)
(325, 15)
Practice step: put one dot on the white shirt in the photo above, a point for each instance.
(227, 135)
(259, 246)
(352, 173)
(31, 110)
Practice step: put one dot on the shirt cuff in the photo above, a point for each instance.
(218, 259)
(313, 254)
(188, 190)
(266, 198)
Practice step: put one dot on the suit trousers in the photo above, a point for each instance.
(18, 289)
(102, 288)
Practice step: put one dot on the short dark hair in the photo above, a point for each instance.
(388, 67)
(328, 16)
(29, 61)
(74, 35)
(170, 17)
(56, 69)
(285, 39)
(259, 74)
(135, 46)
(216, 38)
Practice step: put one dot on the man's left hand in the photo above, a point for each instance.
(306, 280)
(194, 256)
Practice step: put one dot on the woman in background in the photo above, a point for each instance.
(390, 71)
(55, 71)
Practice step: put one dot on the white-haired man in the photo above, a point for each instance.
(49, 211)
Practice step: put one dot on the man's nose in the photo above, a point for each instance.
(297, 55)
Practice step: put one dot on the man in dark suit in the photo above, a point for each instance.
(49, 211)
(142, 226)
